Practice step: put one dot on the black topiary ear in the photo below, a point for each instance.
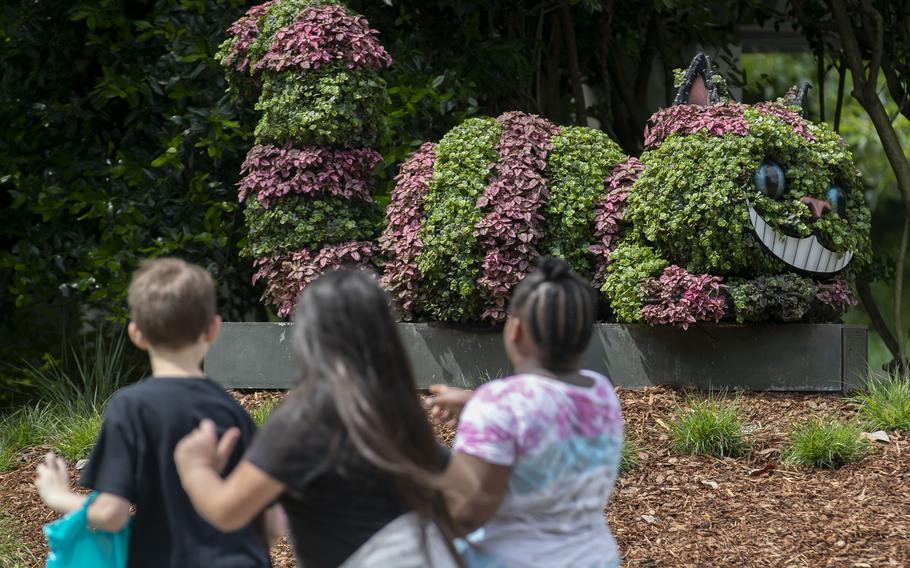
(698, 86)
(799, 96)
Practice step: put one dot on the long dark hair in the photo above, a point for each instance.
(356, 376)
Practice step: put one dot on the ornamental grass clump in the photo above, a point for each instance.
(885, 405)
(629, 459)
(825, 443)
(306, 183)
(711, 427)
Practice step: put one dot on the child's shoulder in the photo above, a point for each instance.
(171, 393)
(514, 385)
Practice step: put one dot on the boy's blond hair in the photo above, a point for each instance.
(171, 301)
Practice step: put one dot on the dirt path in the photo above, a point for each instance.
(693, 511)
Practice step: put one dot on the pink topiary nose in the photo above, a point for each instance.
(817, 207)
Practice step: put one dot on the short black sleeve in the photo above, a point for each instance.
(111, 466)
(288, 450)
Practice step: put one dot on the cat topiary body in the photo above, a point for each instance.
(470, 216)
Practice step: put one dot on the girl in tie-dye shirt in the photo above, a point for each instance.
(544, 444)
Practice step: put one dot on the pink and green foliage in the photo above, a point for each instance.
(400, 242)
(272, 172)
(288, 274)
(313, 65)
(243, 33)
(836, 294)
(322, 35)
(682, 299)
(717, 120)
(512, 222)
(777, 110)
(609, 213)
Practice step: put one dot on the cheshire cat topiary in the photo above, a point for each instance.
(314, 66)
(734, 211)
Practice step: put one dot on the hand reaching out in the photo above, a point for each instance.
(447, 403)
(53, 482)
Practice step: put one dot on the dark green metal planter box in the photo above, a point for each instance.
(793, 357)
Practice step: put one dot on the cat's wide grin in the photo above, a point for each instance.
(805, 254)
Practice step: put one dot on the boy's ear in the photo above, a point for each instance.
(212, 331)
(136, 336)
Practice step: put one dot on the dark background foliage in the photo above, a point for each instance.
(118, 142)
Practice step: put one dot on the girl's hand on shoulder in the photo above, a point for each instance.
(447, 403)
(201, 448)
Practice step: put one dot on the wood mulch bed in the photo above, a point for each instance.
(696, 511)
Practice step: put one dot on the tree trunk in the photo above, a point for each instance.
(568, 30)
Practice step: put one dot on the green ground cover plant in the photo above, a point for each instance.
(14, 551)
(261, 412)
(711, 427)
(823, 442)
(22, 429)
(629, 459)
(76, 435)
(886, 403)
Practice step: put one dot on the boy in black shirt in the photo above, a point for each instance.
(172, 308)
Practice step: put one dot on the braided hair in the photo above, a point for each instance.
(559, 308)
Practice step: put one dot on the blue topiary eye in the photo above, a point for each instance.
(769, 179)
(837, 197)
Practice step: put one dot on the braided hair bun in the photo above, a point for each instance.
(555, 269)
(559, 308)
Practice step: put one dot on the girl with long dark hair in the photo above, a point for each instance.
(349, 454)
(545, 443)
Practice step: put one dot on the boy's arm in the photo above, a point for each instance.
(107, 512)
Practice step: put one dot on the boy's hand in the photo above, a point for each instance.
(446, 406)
(53, 483)
(201, 448)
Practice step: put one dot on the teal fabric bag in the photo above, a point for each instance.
(74, 545)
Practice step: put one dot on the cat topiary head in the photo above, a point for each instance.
(740, 190)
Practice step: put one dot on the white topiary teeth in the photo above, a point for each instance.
(806, 254)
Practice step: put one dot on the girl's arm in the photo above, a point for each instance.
(227, 504)
(477, 489)
(108, 512)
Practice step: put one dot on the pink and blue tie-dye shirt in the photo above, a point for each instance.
(563, 443)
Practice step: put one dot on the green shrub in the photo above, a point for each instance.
(299, 222)
(786, 297)
(711, 427)
(825, 443)
(87, 376)
(76, 435)
(886, 403)
(331, 106)
(576, 167)
(450, 261)
(630, 264)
